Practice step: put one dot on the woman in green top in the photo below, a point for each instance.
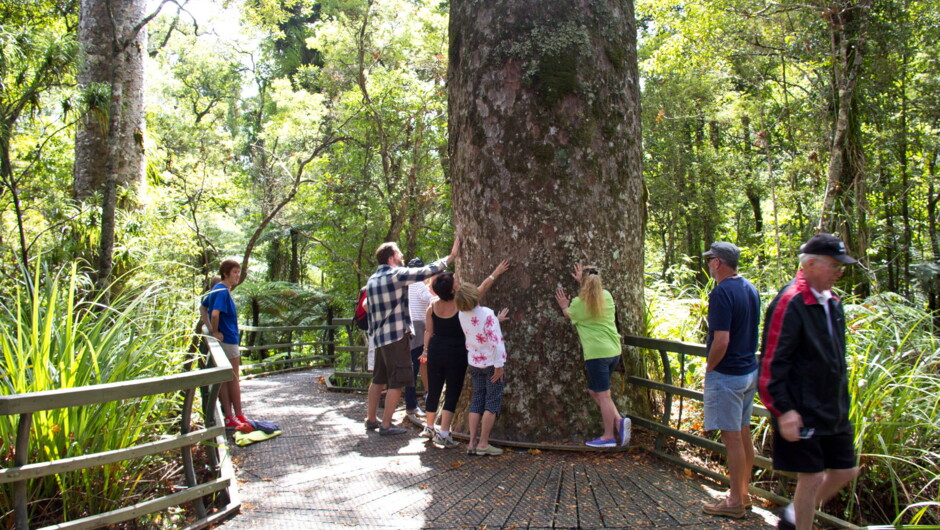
(593, 314)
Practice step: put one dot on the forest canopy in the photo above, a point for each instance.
(295, 136)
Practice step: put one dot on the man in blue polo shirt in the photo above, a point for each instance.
(731, 371)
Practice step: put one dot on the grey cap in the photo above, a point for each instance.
(416, 262)
(827, 245)
(726, 252)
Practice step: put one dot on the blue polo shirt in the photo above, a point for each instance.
(221, 298)
(734, 306)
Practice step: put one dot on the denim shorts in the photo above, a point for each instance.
(729, 400)
(599, 371)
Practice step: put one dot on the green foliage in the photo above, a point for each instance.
(893, 357)
(894, 362)
(51, 337)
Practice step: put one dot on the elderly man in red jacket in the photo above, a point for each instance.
(804, 382)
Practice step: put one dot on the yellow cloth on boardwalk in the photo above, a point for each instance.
(242, 439)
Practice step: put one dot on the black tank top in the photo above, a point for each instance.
(447, 332)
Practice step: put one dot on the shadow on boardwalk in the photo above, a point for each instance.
(326, 471)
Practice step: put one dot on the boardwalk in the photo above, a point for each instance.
(326, 471)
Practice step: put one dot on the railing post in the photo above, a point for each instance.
(188, 468)
(681, 384)
(20, 458)
(667, 405)
(330, 336)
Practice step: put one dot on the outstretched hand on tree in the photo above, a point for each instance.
(502, 315)
(562, 300)
(454, 250)
(578, 269)
(501, 268)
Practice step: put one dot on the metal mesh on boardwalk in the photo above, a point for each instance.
(326, 471)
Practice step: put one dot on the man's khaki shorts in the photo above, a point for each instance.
(393, 364)
(231, 350)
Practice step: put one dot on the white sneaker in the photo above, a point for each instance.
(427, 432)
(625, 425)
(412, 416)
(443, 441)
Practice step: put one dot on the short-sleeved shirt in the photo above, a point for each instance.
(221, 298)
(419, 298)
(734, 306)
(599, 336)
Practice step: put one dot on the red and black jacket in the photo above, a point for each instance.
(802, 367)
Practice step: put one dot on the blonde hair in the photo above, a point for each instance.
(592, 292)
(467, 297)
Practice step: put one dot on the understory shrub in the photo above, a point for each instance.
(55, 334)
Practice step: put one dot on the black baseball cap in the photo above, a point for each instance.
(416, 262)
(827, 245)
(726, 252)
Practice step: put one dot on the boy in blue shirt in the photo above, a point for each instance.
(220, 316)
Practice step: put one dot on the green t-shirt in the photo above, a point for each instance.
(599, 337)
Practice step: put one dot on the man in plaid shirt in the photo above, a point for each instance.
(391, 329)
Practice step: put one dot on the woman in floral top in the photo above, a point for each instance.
(486, 355)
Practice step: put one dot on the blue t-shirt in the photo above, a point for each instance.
(221, 298)
(734, 306)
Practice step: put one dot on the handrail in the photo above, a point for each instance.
(332, 344)
(26, 404)
(92, 394)
(663, 429)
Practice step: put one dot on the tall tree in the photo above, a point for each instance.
(544, 130)
(113, 40)
(845, 202)
(112, 64)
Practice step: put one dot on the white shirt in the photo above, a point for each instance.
(823, 298)
(419, 297)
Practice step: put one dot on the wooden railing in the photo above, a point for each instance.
(663, 427)
(218, 371)
(329, 346)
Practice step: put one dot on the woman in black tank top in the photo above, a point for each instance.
(445, 353)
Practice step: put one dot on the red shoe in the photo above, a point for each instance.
(241, 418)
(231, 423)
(245, 428)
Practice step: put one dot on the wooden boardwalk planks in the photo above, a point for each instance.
(328, 471)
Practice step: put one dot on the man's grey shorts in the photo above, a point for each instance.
(729, 400)
(231, 350)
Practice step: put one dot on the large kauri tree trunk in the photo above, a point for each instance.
(545, 155)
(110, 61)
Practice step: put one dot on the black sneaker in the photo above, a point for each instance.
(372, 425)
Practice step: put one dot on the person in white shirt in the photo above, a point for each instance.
(419, 296)
(486, 355)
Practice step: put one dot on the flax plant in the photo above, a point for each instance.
(894, 362)
(52, 336)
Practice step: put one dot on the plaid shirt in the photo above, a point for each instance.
(387, 295)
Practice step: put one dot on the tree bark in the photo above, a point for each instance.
(121, 67)
(544, 141)
(844, 205)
